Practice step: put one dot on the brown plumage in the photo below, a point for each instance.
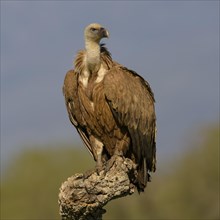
(111, 107)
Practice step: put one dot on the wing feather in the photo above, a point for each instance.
(72, 105)
(131, 101)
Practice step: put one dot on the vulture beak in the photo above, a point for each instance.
(104, 32)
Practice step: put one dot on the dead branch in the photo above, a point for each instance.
(83, 197)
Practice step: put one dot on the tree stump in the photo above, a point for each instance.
(82, 197)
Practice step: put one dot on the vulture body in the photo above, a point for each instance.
(111, 107)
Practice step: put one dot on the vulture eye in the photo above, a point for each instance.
(93, 29)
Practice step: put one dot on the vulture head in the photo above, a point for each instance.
(95, 32)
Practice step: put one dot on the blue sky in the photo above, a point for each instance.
(174, 45)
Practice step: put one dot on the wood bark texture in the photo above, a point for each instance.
(83, 196)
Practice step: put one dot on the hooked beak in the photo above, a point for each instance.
(104, 33)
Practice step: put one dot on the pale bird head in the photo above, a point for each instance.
(95, 32)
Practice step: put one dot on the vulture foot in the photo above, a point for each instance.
(111, 162)
(88, 173)
(99, 167)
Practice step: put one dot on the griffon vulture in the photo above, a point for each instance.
(112, 107)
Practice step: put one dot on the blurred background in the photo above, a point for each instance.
(174, 45)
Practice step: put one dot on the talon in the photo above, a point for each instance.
(98, 168)
(110, 163)
(88, 173)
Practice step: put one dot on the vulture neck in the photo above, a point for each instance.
(93, 61)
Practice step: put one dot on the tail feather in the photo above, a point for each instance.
(143, 176)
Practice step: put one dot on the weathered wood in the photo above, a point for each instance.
(82, 197)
